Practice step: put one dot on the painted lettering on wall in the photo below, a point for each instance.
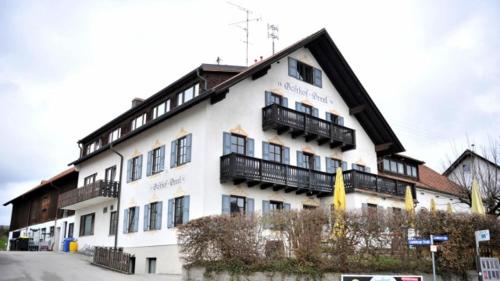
(168, 183)
(304, 92)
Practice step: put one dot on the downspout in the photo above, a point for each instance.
(119, 193)
(205, 83)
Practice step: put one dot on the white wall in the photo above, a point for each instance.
(101, 236)
(441, 199)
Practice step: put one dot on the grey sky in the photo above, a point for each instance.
(67, 67)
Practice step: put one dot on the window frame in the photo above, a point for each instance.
(279, 205)
(181, 96)
(182, 151)
(134, 125)
(153, 215)
(241, 210)
(155, 161)
(111, 169)
(178, 210)
(305, 72)
(135, 170)
(166, 108)
(83, 220)
(114, 135)
(88, 180)
(272, 152)
(130, 220)
(113, 223)
(237, 144)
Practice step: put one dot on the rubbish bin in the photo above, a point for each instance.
(66, 244)
(73, 246)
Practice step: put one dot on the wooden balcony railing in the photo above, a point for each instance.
(284, 119)
(99, 188)
(239, 169)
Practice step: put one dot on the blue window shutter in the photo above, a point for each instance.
(139, 167)
(317, 163)
(149, 169)
(159, 209)
(284, 102)
(189, 144)
(286, 206)
(340, 120)
(292, 67)
(185, 211)
(249, 206)
(125, 221)
(286, 155)
(265, 150)
(173, 154)
(250, 147)
(226, 204)
(162, 158)
(300, 159)
(328, 116)
(136, 219)
(265, 207)
(315, 112)
(170, 213)
(330, 165)
(226, 143)
(317, 77)
(129, 170)
(146, 218)
(269, 98)
(344, 165)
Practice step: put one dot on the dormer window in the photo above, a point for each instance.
(93, 146)
(139, 121)
(115, 135)
(161, 109)
(396, 167)
(304, 72)
(187, 94)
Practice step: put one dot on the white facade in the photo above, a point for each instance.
(441, 200)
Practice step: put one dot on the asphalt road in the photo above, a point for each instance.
(55, 266)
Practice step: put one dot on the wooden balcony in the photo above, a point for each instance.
(88, 195)
(284, 119)
(239, 169)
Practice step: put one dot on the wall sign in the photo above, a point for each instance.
(304, 92)
(170, 182)
(381, 278)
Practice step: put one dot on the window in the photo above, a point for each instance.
(90, 179)
(238, 144)
(151, 265)
(110, 174)
(394, 167)
(93, 146)
(307, 160)
(372, 209)
(275, 205)
(71, 227)
(180, 152)
(43, 234)
(187, 94)
(309, 207)
(139, 121)
(161, 109)
(152, 216)
(332, 164)
(86, 225)
(401, 169)
(387, 165)
(273, 98)
(466, 168)
(304, 72)
(414, 171)
(333, 118)
(156, 159)
(238, 205)
(132, 219)
(134, 169)
(113, 223)
(178, 213)
(275, 153)
(51, 231)
(115, 135)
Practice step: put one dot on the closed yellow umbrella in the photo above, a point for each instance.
(433, 206)
(339, 191)
(409, 201)
(477, 206)
(449, 208)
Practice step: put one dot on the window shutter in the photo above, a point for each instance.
(173, 154)
(265, 207)
(328, 116)
(330, 168)
(185, 210)
(226, 204)
(159, 208)
(284, 102)
(249, 206)
(286, 206)
(292, 67)
(340, 120)
(129, 170)
(317, 77)
(226, 143)
(189, 143)
(250, 147)
(265, 150)
(136, 219)
(269, 98)
(125, 221)
(146, 218)
(317, 163)
(300, 159)
(149, 169)
(170, 213)
(162, 158)
(315, 112)
(344, 165)
(139, 167)
(286, 155)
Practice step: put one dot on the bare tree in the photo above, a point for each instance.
(483, 166)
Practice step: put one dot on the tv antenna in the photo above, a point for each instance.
(246, 22)
(272, 33)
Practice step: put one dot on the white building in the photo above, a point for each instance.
(227, 138)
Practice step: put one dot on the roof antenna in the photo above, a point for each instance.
(272, 33)
(246, 27)
(218, 60)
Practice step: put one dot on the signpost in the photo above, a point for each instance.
(481, 235)
(429, 242)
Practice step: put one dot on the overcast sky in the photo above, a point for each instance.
(67, 67)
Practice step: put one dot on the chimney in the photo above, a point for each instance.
(136, 102)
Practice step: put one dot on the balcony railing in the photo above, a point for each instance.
(239, 169)
(298, 123)
(98, 189)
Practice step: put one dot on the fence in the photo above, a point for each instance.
(114, 259)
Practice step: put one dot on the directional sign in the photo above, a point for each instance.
(483, 235)
(419, 242)
(440, 237)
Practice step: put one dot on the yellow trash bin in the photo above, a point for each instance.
(73, 246)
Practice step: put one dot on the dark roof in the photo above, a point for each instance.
(46, 183)
(465, 154)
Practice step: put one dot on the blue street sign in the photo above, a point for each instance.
(419, 242)
(440, 237)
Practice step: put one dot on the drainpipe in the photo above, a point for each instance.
(201, 77)
(119, 193)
